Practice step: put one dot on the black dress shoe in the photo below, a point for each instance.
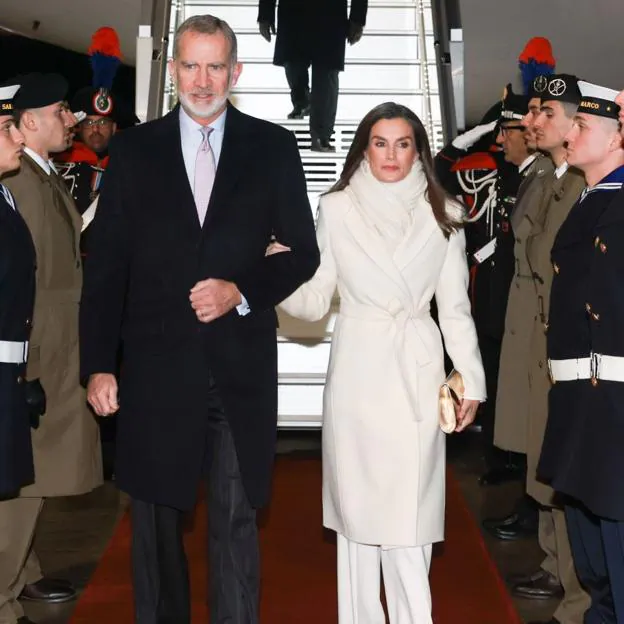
(48, 590)
(322, 145)
(504, 474)
(299, 112)
(541, 586)
(489, 524)
(520, 529)
(515, 579)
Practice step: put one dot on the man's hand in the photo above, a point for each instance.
(266, 29)
(354, 33)
(102, 394)
(467, 413)
(212, 298)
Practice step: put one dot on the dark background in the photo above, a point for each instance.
(21, 55)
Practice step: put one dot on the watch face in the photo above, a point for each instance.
(102, 102)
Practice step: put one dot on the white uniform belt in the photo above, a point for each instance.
(13, 352)
(596, 366)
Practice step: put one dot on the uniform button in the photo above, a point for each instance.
(603, 248)
(20, 380)
(596, 241)
(594, 381)
(588, 307)
(556, 268)
(596, 317)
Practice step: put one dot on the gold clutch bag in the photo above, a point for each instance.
(451, 396)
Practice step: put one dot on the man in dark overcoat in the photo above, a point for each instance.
(313, 33)
(177, 275)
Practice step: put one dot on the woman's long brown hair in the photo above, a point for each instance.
(436, 195)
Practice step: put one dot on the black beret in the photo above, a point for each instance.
(39, 90)
(559, 88)
(515, 106)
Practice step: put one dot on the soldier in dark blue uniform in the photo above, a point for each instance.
(17, 293)
(582, 455)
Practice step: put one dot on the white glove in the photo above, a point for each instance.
(464, 141)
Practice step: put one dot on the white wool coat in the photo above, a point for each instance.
(383, 450)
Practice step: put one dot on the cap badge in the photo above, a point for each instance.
(102, 102)
(540, 84)
(557, 87)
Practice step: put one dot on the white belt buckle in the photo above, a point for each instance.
(595, 359)
(13, 352)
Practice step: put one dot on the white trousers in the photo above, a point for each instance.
(406, 583)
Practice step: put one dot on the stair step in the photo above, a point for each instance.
(300, 401)
(295, 359)
(301, 379)
(204, 5)
(299, 421)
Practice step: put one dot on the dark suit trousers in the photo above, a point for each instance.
(598, 551)
(159, 566)
(323, 99)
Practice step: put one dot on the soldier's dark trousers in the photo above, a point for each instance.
(322, 98)
(159, 566)
(598, 551)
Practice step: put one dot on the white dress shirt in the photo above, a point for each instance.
(561, 169)
(191, 138)
(190, 133)
(47, 166)
(526, 162)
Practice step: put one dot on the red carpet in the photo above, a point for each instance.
(298, 563)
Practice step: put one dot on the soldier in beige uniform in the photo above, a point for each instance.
(511, 410)
(65, 440)
(560, 189)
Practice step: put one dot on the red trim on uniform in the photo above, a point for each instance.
(79, 152)
(479, 160)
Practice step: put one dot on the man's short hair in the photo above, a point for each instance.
(18, 113)
(206, 25)
(569, 109)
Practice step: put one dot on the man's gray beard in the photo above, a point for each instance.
(202, 112)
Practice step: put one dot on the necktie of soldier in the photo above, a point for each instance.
(205, 169)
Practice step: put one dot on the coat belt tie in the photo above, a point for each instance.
(409, 345)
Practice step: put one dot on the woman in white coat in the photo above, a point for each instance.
(390, 241)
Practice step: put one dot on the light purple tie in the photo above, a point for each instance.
(204, 174)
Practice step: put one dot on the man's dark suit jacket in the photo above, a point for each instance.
(147, 252)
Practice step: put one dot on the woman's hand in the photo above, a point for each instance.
(274, 248)
(467, 413)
